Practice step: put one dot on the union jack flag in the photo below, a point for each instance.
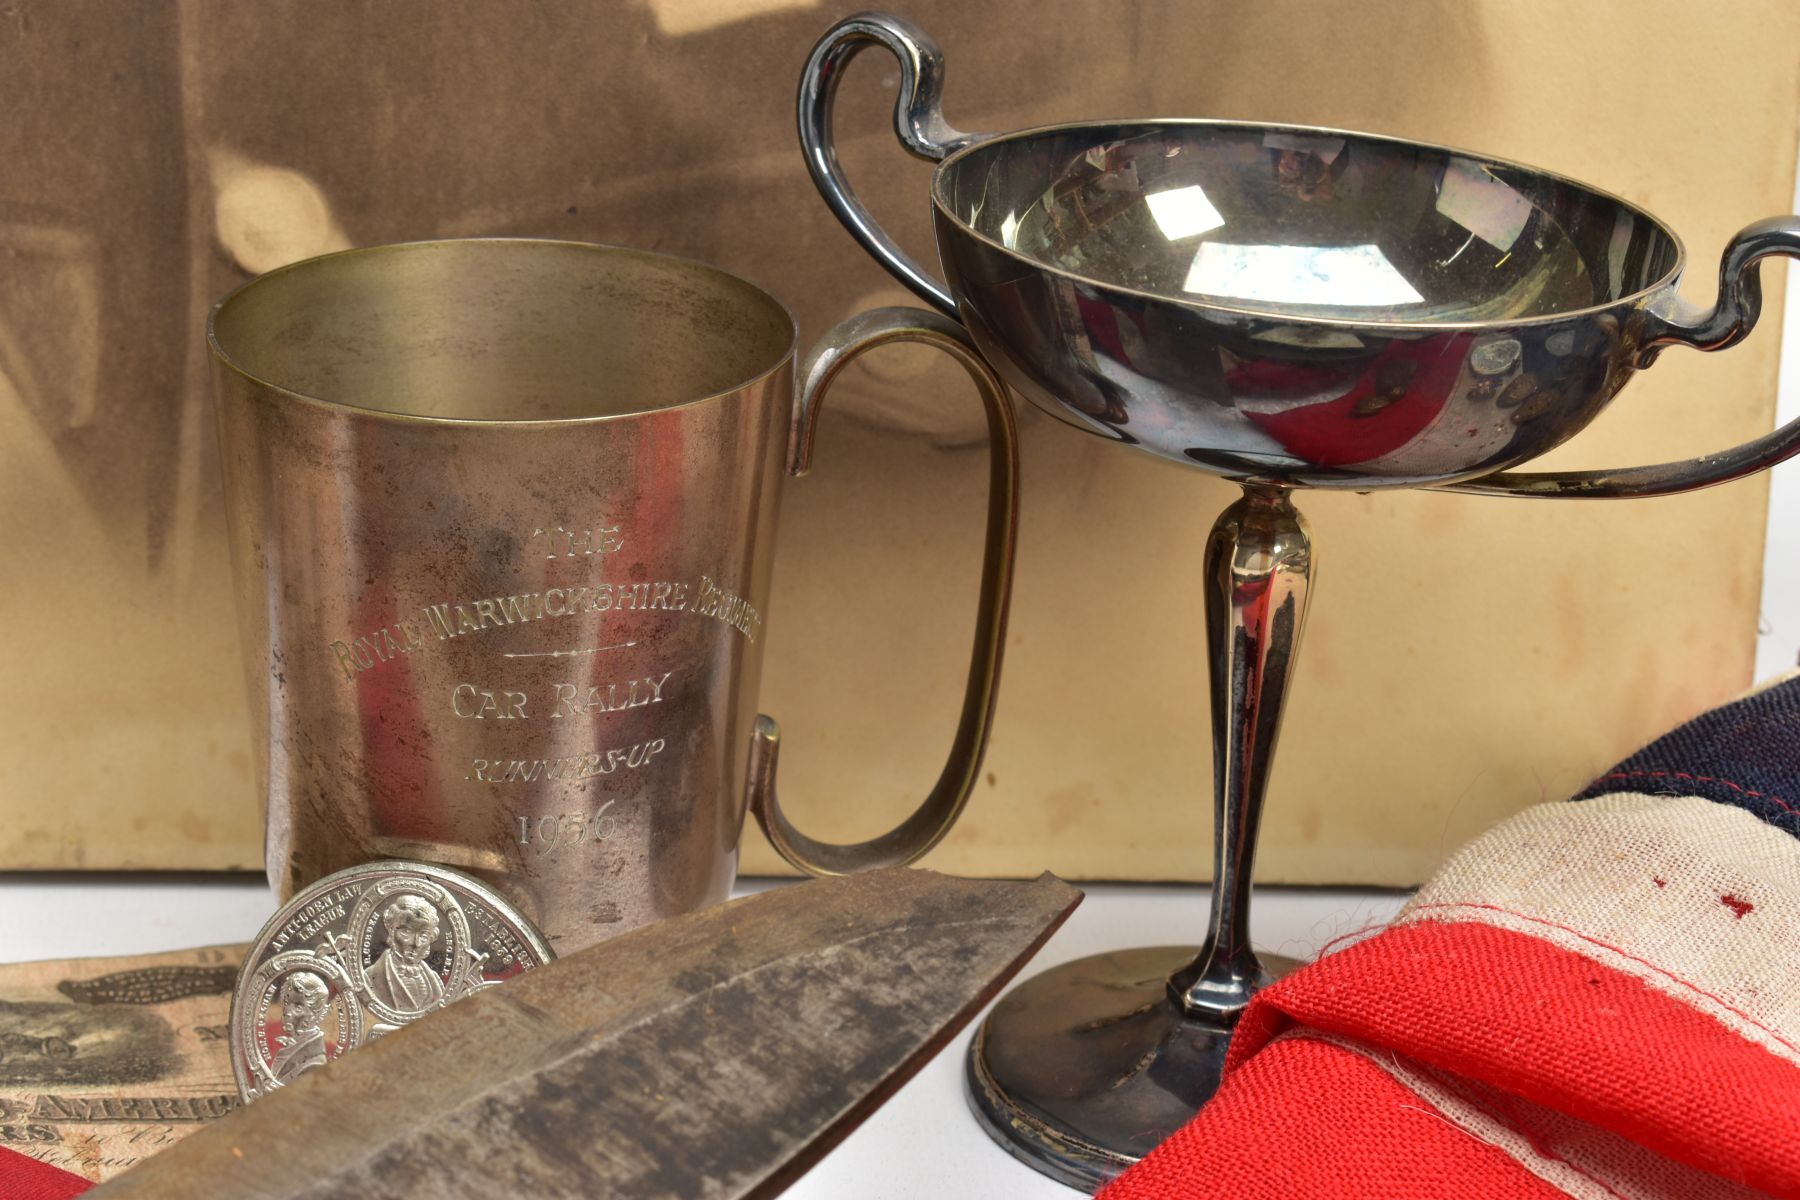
(1599, 998)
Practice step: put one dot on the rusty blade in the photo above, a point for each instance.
(716, 1055)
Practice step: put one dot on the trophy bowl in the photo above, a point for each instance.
(1296, 306)
(1286, 307)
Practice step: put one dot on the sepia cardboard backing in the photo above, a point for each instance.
(1464, 657)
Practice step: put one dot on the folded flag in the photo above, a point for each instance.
(1597, 998)
(24, 1178)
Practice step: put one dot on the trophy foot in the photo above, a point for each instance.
(1080, 1071)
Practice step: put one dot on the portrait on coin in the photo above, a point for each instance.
(401, 977)
(305, 998)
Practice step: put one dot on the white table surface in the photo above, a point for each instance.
(923, 1145)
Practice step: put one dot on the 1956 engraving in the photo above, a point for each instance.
(560, 831)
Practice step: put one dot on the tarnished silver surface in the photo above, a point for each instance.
(1083, 1069)
(361, 953)
(1259, 567)
(938, 810)
(503, 518)
(1285, 307)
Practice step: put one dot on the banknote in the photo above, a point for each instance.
(105, 1061)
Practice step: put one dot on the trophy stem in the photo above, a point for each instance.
(1258, 573)
(1080, 1070)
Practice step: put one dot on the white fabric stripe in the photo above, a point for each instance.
(1699, 900)
(1585, 1161)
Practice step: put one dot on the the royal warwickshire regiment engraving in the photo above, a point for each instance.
(541, 756)
(456, 619)
(443, 622)
(361, 953)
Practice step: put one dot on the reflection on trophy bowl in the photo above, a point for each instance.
(1298, 306)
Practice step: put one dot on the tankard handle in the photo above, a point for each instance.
(938, 811)
(1727, 323)
(918, 121)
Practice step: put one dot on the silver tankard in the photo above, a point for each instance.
(502, 519)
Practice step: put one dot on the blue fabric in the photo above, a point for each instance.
(1746, 754)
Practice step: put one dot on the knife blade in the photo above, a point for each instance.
(714, 1056)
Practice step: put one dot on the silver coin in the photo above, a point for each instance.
(361, 953)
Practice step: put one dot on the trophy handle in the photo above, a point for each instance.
(918, 121)
(1727, 323)
(938, 811)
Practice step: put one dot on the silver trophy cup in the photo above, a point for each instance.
(1286, 307)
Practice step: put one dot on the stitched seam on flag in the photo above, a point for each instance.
(1517, 1126)
(1530, 1137)
(1460, 1112)
(1656, 972)
(1683, 775)
(1355, 936)
(1648, 1180)
(1714, 854)
(1502, 1108)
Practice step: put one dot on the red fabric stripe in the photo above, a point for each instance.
(1307, 1119)
(23, 1178)
(1383, 410)
(1556, 1028)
